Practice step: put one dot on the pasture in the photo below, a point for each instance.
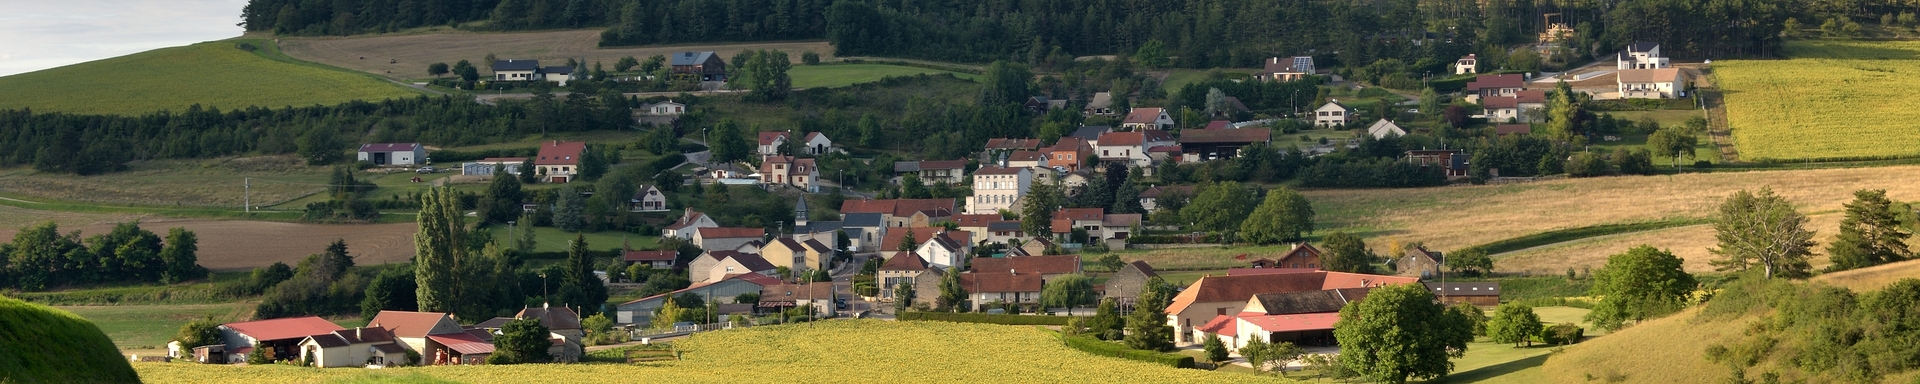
(1831, 99)
(840, 75)
(148, 328)
(212, 74)
(781, 354)
(406, 56)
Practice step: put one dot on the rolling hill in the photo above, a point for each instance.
(213, 74)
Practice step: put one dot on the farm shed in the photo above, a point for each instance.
(393, 153)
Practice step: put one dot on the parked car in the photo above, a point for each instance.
(427, 169)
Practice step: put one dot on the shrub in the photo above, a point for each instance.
(1563, 334)
(1103, 348)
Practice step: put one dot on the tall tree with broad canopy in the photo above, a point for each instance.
(1283, 216)
(521, 341)
(1070, 290)
(1513, 323)
(1870, 234)
(1640, 284)
(1218, 206)
(1346, 253)
(953, 297)
(1764, 230)
(1400, 332)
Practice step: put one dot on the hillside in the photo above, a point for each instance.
(1829, 100)
(403, 56)
(212, 74)
(45, 345)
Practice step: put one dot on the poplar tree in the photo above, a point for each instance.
(438, 249)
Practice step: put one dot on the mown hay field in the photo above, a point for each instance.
(212, 74)
(1831, 99)
(853, 351)
(406, 55)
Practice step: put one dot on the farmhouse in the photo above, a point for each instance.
(1383, 128)
(1212, 296)
(1333, 114)
(1066, 220)
(723, 291)
(1209, 144)
(435, 336)
(1485, 294)
(1663, 83)
(280, 336)
(705, 66)
(559, 160)
(690, 222)
(1126, 283)
(1303, 318)
(1130, 148)
(1286, 69)
(1419, 262)
(353, 348)
(393, 153)
(1147, 118)
(719, 265)
(999, 188)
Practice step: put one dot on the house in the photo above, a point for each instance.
(1453, 162)
(562, 322)
(1233, 106)
(1124, 286)
(559, 74)
(723, 238)
(816, 144)
(908, 268)
(485, 167)
(647, 199)
(998, 149)
(818, 296)
(356, 347)
(1516, 108)
(1641, 55)
(1502, 130)
(280, 336)
(1147, 118)
(947, 249)
(788, 170)
(393, 153)
(999, 188)
(902, 212)
(1383, 128)
(1026, 159)
(1286, 68)
(1300, 256)
(1419, 262)
(1467, 64)
(1212, 296)
(1115, 227)
(1663, 83)
(689, 223)
(1101, 105)
(1210, 144)
(1072, 183)
(516, 70)
(933, 172)
(864, 230)
(558, 160)
(664, 108)
(662, 259)
(1089, 133)
(1487, 86)
(1001, 287)
(1048, 267)
(790, 253)
(721, 264)
(435, 336)
(1150, 197)
(1333, 114)
(1040, 104)
(1000, 231)
(1485, 294)
(705, 66)
(640, 311)
(770, 142)
(1218, 124)
(1124, 147)
(1066, 220)
(1302, 318)
(1068, 153)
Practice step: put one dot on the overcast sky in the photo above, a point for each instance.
(36, 35)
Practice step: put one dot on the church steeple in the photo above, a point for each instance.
(800, 212)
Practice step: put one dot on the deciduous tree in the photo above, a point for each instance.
(1283, 216)
(521, 341)
(1346, 253)
(1642, 283)
(1400, 332)
(1762, 230)
(1513, 323)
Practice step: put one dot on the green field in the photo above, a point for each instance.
(840, 75)
(149, 327)
(550, 239)
(212, 74)
(1832, 99)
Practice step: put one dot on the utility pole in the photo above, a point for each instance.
(247, 200)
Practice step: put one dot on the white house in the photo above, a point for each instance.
(1514, 108)
(393, 153)
(665, 108)
(1332, 114)
(1663, 83)
(817, 144)
(353, 348)
(558, 160)
(1382, 128)
(1147, 118)
(1286, 68)
(516, 70)
(647, 199)
(947, 249)
(723, 238)
(690, 222)
(1101, 105)
(998, 188)
(281, 336)
(1641, 55)
(770, 142)
(1467, 64)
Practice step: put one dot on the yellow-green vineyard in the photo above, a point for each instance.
(1830, 100)
(864, 351)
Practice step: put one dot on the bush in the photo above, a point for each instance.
(986, 318)
(1563, 334)
(1103, 348)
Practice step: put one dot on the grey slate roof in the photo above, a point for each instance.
(862, 220)
(516, 65)
(561, 70)
(691, 58)
(1091, 132)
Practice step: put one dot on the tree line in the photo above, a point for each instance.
(41, 257)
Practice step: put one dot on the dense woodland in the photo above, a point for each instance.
(40, 257)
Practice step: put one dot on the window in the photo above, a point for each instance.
(1219, 311)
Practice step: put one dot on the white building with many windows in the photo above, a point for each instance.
(998, 188)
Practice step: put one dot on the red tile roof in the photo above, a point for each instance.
(980, 220)
(1068, 144)
(1155, 135)
(1269, 271)
(1080, 214)
(900, 207)
(1048, 265)
(1210, 136)
(1000, 282)
(407, 323)
(1222, 325)
(1024, 156)
(560, 153)
(284, 328)
(464, 343)
(1509, 129)
(1496, 82)
(687, 219)
(1522, 97)
(632, 255)
(1115, 139)
(1292, 323)
(766, 138)
(811, 135)
(1239, 288)
(904, 261)
(1302, 250)
(896, 235)
(1143, 116)
(727, 233)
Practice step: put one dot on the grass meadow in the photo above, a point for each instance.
(149, 327)
(211, 74)
(1831, 99)
(177, 183)
(840, 75)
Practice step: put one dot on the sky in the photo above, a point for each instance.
(36, 35)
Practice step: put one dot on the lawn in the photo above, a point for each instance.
(788, 353)
(550, 239)
(211, 74)
(1831, 99)
(149, 327)
(1665, 350)
(1181, 77)
(1702, 149)
(840, 75)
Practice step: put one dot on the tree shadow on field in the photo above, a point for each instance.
(1496, 370)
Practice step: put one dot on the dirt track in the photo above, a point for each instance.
(241, 245)
(372, 54)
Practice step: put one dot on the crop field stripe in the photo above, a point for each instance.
(1831, 100)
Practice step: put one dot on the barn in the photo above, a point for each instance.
(393, 153)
